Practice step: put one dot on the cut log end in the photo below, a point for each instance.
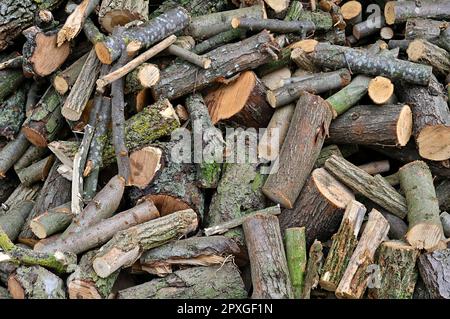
(60, 84)
(35, 137)
(81, 289)
(433, 142)
(389, 12)
(144, 164)
(416, 50)
(15, 288)
(307, 45)
(380, 90)
(404, 125)
(432, 241)
(167, 204)
(271, 98)
(103, 53)
(235, 23)
(351, 10)
(335, 192)
(118, 18)
(38, 229)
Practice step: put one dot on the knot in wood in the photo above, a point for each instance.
(354, 116)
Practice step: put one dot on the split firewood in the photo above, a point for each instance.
(221, 281)
(146, 34)
(119, 12)
(434, 268)
(33, 96)
(325, 153)
(84, 283)
(13, 221)
(181, 78)
(398, 272)
(12, 114)
(47, 198)
(295, 245)
(390, 125)
(36, 172)
(45, 121)
(52, 221)
(34, 283)
(319, 207)
(431, 118)
(31, 156)
(313, 269)
(425, 227)
(209, 166)
(265, 249)
(194, 251)
(373, 187)
(400, 11)
(99, 233)
(380, 90)
(310, 122)
(41, 54)
(436, 32)
(344, 243)
(127, 246)
(243, 101)
(357, 274)
(352, 12)
(336, 57)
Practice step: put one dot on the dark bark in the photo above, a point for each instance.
(434, 269)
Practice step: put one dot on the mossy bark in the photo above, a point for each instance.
(295, 245)
(12, 114)
(434, 269)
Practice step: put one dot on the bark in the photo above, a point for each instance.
(322, 20)
(295, 245)
(146, 34)
(4, 294)
(209, 168)
(284, 60)
(400, 44)
(31, 156)
(12, 114)
(7, 187)
(241, 102)
(12, 222)
(41, 54)
(82, 88)
(335, 11)
(12, 152)
(313, 269)
(320, 83)
(44, 123)
(302, 60)
(189, 56)
(376, 167)
(181, 78)
(276, 79)
(218, 40)
(92, 33)
(194, 7)
(270, 273)
(194, 251)
(20, 194)
(309, 124)
(325, 153)
(84, 283)
(373, 187)
(357, 275)
(48, 198)
(11, 80)
(6, 269)
(127, 246)
(368, 27)
(343, 245)
(119, 12)
(53, 221)
(144, 76)
(434, 269)
(425, 227)
(398, 271)
(443, 195)
(36, 172)
(431, 118)
(214, 282)
(390, 125)
(358, 61)
(352, 12)
(35, 283)
(99, 233)
(422, 51)
(273, 25)
(398, 12)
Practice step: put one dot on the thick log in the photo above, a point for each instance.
(357, 275)
(373, 187)
(194, 7)
(82, 88)
(425, 227)
(12, 222)
(84, 283)
(44, 123)
(127, 246)
(209, 166)
(41, 54)
(400, 11)
(52, 221)
(101, 232)
(214, 282)
(11, 80)
(397, 272)
(319, 207)
(431, 118)
(343, 245)
(31, 156)
(145, 34)
(144, 76)
(336, 57)
(194, 251)
(319, 83)
(422, 51)
(265, 249)
(35, 283)
(419, 28)
(335, 12)
(390, 125)
(325, 153)
(295, 245)
(144, 165)
(313, 269)
(12, 152)
(36, 172)
(47, 198)
(182, 78)
(241, 102)
(119, 12)
(434, 269)
(309, 124)
(352, 12)
(12, 113)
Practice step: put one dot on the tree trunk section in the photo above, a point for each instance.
(120, 12)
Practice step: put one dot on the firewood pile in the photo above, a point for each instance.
(224, 149)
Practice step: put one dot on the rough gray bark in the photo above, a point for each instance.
(13, 221)
(434, 269)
